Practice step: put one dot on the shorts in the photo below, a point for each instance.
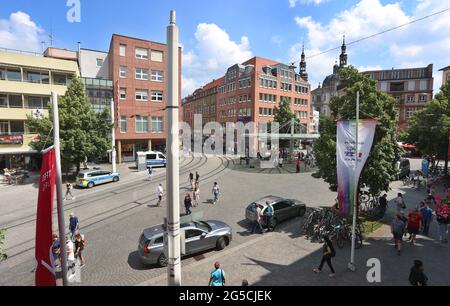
(160, 198)
(413, 230)
(398, 236)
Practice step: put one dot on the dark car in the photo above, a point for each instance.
(403, 168)
(199, 236)
(284, 209)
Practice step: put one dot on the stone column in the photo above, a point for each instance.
(119, 151)
(149, 145)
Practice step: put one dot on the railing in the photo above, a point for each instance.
(20, 52)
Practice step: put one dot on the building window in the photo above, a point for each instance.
(410, 112)
(157, 96)
(157, 56)
(123, 50)
(397, 86)
(61, 79)
(123, 124)
(422, 98)
(157, 125)
(410, 99)
(38, 102)
(157, 76)
(15, 101)
(141, 95)
(37, 77)
(141, 53)
(4, 127)
(17, 127)
(123, 93)
(99, 62)
(141, 74)
(123, 72)
(13, 75)
(2, 74)
(141, 124)
(3, 101)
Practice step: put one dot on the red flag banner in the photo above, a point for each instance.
(45, 272)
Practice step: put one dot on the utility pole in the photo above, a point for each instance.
(351, 265)
(173, 185)
(113, 138)
(59, 191)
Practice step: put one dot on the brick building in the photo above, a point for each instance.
(138, 69)
(445, 75)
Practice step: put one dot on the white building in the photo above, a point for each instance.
(93, 64)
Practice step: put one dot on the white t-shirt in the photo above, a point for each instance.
(160, 191)
(69, 250)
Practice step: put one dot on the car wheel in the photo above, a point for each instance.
(90, 185)
(115, 179)
(221, 243)
(162, 260)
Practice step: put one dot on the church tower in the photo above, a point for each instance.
(303, 72)
(343, 57)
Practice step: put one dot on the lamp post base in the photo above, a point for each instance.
(351, 267)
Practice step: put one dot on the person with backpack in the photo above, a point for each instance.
(328, 252)
(397, 230)
(442, 218)
(416, 276)
(80, 243)
(216, 193)
(217, 277)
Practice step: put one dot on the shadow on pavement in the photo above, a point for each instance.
(135, 263)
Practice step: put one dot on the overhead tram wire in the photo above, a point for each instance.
(382, 32)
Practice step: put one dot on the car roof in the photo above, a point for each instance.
(270, 198)
(91, 170)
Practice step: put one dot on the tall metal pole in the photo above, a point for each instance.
(59, 189)
(113, 138)
(351, 265)
(173, 196)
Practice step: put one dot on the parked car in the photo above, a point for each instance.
(153, 158)
(199, 236)
(92, 177)
(403, 168)
(284, 209)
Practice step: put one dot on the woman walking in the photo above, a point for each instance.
(80, 243)
(196, 195)
(328, 252)
(188, 203)
(442, 217)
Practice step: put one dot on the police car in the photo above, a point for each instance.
(92, 177)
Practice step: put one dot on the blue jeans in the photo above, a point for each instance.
(255, 225)
(426, 226)
(188, 210)
(443, 231)
(216, 197)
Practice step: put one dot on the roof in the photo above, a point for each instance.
(445, 68)
(213, 83)
(135, 38)
(269, 198)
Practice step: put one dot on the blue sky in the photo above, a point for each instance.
(218, 33)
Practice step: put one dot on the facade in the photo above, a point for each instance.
(321, 96)
(138, 70)
(26, 84)
(412, 88)
(445, 75)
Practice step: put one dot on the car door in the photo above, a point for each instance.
(151, 159)
(195, 240)
(281, 210)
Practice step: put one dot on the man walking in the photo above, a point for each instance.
(397, 230)
(197, 178)
(188, 203)
(416, 276)
(150, 172)
(160, 193)
(269, 217)
(70, 256)
(383, 205)
(215, 192)
(191, 180)
(69, 188)
(73, 225)
(56, 250)
(427, 216)
(414, 224)
(258, 218)
(217, 276)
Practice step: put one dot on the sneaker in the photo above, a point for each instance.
(82, 265)
(398, 252)
(317, 271)
(332, 275)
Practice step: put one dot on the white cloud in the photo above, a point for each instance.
(188, 85)
(276, 40)
(293, 3)
(427, 7)
(213, 53)
(408, 51)
(20, 32)
(369, 68)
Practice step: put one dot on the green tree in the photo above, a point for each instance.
(84, 133)
(430, 127)
(284, 116)
(380, 166)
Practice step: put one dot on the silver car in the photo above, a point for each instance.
(199, 236)
(283, 209)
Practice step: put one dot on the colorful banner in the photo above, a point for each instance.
(11, 139)
(346, 158)
(45, 272)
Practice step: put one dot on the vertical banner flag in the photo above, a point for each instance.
(45, 272)
(346, 158)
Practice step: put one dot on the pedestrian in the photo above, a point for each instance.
(80, 243)
(269, 217)
(397, 230)
(74, 225)
(414, 224)
(258, 219)
(56, 250)
(197, 178)
(400, 203)
(297, 165)
(328, 252)
(69, 188)
(216, 193)
(427, 216)
(70, 255)
(188, 203)
(417, 277)
(196, 195)
(160, 193)
(442, 218)
(383, 205)
(150, 172)
(191, 179)
(217, 277)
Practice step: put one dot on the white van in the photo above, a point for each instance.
(153, 158)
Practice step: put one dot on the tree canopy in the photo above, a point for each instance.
(380, 166)
(84, 133)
